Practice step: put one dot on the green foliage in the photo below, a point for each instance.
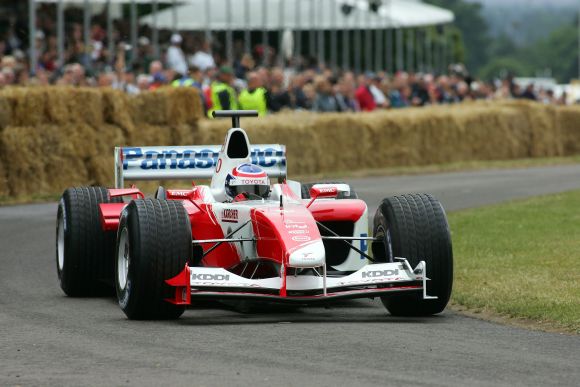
(557, 54)
(473, 27)
(502, 66)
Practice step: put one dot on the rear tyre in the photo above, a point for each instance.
(305, 188)
(415, 227)
(84, 252)
(153, 245)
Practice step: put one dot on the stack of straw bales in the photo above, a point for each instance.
(52, 138)
(321, 143)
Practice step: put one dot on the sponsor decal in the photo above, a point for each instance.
(379, 273)
(295, 225)
(251, 181)
(180, 193)
(174, 158)
(230, 215)
(301, 238)
(209, 277)
(363, 244)
(298, 232)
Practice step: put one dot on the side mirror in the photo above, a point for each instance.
(327, 191)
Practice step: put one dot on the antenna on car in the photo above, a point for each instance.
(235, 115)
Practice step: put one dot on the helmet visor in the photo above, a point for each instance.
(255, 189)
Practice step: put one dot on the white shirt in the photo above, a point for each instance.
(377, 95)
(202, 60)
(176, 60)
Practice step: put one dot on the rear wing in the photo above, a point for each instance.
(188, 162)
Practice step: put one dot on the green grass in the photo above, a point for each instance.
(521, 260)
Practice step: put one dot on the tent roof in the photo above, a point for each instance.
(298, 15)
(112, 1)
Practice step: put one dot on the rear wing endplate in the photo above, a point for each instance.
(188, 162)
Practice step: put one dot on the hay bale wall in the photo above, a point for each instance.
(323, 143)
(53, 138)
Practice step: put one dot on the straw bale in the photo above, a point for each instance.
(184, 106)
(5, 111)
(568, 118)
(4, 189)
(150, 108)
(27, 105)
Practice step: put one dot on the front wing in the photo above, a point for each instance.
(372, 280)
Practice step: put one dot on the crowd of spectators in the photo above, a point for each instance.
(190, 61)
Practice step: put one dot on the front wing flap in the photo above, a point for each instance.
(370, 281)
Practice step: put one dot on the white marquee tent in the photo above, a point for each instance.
(286, 17)
(298, 14)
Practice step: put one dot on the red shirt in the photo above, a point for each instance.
(365, 99)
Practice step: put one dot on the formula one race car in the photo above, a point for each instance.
(243, 238)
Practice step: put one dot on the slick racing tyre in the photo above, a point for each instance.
(415, 227)
(84, 252)
(153, 245)
(341, 195)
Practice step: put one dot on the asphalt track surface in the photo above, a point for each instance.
(49, 339)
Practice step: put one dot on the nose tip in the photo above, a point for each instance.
(310, 255)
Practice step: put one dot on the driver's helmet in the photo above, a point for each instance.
(247, 179)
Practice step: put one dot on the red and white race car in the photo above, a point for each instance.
(243, 238)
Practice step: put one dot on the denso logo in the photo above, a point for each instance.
(379, 273)
(209, 277)
(229, 215)
(327, 190)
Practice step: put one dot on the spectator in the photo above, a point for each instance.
(345, 96)
(158, 77)
(529, 92)
(202, 59)
(298, 99)
(279, 95)
(324, 100)
(176, 57)
(399, 94)
(143, 82)
(255, 96)
(375, 88)
(223, 95)
(364, 96)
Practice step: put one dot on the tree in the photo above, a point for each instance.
(473, 27)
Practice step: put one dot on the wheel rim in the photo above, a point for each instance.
(386, 236)
(123, 259)
(60, 243)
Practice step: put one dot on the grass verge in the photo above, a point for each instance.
(520, 260)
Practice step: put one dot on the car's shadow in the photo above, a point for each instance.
(239, 313)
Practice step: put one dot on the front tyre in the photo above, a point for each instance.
(84, 251)
(153, 245)
(415, 227)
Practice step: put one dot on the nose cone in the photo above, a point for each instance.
(289, 236)
(310, 255)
